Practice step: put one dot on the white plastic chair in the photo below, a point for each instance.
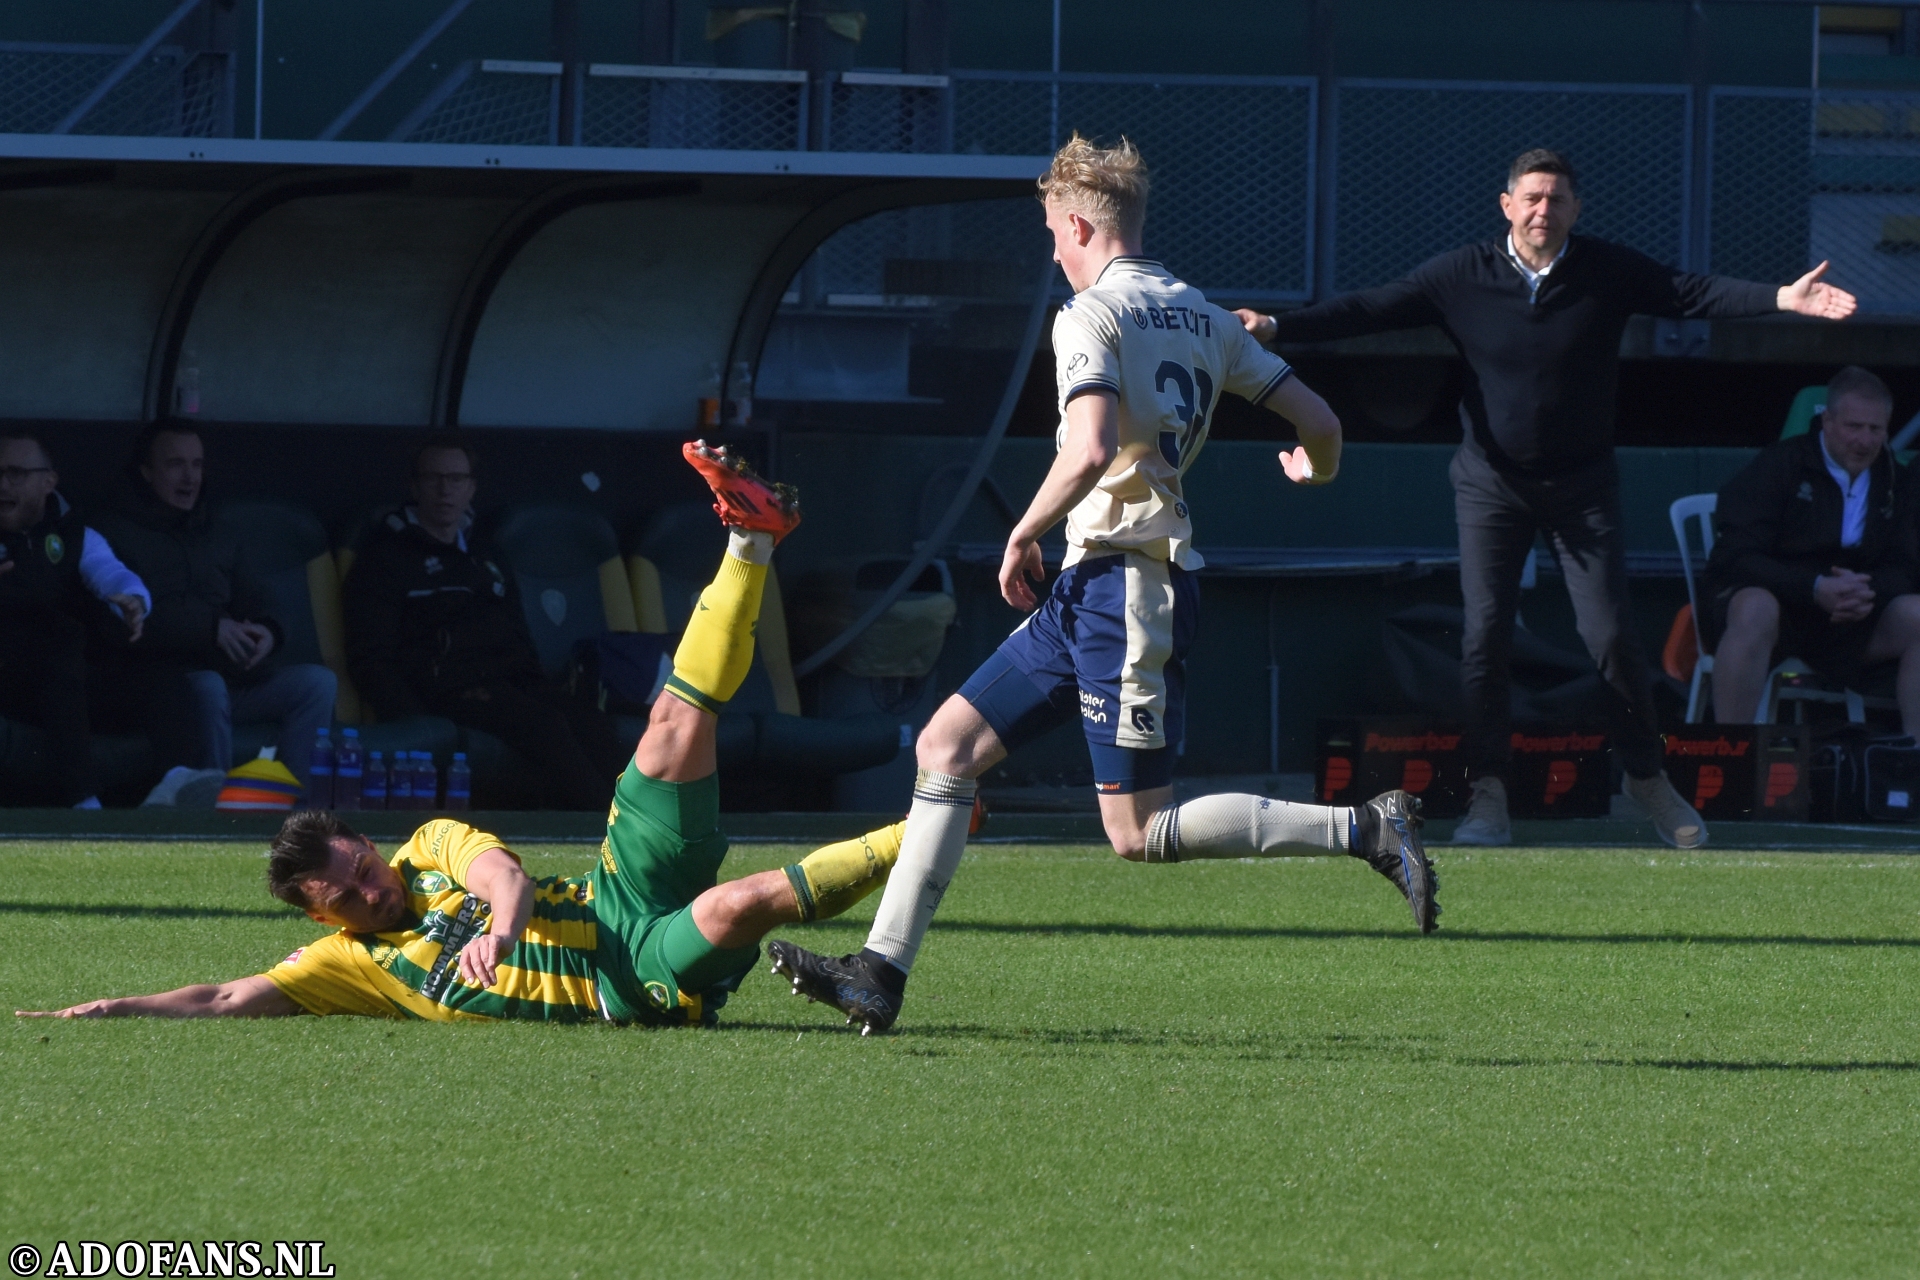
(1700, 507)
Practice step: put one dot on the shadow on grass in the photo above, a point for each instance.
(1263, 1045)
(133, 911)
(1256, 932)
(1693, 1064)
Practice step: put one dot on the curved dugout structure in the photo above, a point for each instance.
(403, 296)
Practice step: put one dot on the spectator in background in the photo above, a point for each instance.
(65, 603)
(434, 626)
(211, 613)
(1814, 558)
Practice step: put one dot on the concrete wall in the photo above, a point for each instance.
(85, 280)
(616, 315)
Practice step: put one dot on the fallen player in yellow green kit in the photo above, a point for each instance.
(451, 927)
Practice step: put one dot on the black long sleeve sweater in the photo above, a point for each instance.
(1541, 368)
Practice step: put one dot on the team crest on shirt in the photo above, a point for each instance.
(1077, 363)
(295, 957)
(1806, 491)
(56, 548)
(430, 882)
(434, 565)
(1139, 315)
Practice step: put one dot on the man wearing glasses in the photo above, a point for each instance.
(434, 627)
(62, 590)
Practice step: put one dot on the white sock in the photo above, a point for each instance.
(929, 855)
(1235, 825)
(755, 546)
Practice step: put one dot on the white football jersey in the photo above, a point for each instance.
(1167, 353)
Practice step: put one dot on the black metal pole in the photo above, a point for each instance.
(566, 52)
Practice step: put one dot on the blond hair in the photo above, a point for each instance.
(1105, 185)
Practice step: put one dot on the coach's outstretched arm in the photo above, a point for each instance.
(253, 997)
(1088, 450)
(1317, 459)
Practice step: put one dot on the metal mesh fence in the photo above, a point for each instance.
(1864, 214)
(494, 108)
(1761, 180)
(864, 260)
(717, 114)
(1421, 166)
(38, 86)
(1231, 161)
(890, 118)
(172, 92)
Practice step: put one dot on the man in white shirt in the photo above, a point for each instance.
(1815, 558)
(1140, 360)
(62, 589)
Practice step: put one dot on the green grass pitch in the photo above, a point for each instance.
(1607, 1063)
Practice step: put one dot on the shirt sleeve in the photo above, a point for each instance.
(103, 573)
(1086, 352)
(1252, 370)
(451, 847)
(325, 978)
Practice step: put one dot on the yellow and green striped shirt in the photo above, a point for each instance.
(549, 975)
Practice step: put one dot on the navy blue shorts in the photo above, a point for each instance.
(1110, 644)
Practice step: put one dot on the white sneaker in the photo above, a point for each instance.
(167, 790)
(1486, 821)
(1674, 820)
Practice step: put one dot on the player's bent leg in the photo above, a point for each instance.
(1127, 817)
(678, 745)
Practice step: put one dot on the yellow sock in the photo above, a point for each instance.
(828, 881)
(717, 647)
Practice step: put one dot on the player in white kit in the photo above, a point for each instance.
(1140, 359)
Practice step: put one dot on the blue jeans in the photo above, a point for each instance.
(299, 696)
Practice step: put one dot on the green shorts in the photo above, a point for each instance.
(663, 849)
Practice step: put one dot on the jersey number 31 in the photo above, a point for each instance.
(1196, 397)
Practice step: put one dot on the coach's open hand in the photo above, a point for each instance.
(1258, 324)
(1812, 296)
(1299, 468)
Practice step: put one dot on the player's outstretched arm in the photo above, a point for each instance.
(253, 997)
(1317, 460)
(1090, 445)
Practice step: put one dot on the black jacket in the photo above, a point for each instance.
(44, 587)
(198, 573)
(426, 620)
(1778, 526)
(1541, 371)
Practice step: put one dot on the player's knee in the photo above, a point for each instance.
(1128, 841)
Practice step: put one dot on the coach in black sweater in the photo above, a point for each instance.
(1538, 315)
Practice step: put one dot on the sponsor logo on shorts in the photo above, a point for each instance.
(1109, 787)
(657, 993)
(1093, 707)
(430, 882)
(1142, 720)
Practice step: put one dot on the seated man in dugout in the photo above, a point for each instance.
(451, 927)
(1814, 558)
(434, 627)
(211, 612)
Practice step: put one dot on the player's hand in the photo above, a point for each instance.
(1259, 324)
(91, 1009)
(1299, 468)
(133, 612)
(1812, 296)
(1021, 562)
(480, 959)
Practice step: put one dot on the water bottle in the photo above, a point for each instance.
(426, 781)
(320, 773)
(459, 784)
(373, 783)
(400, 782)
(347, 775)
